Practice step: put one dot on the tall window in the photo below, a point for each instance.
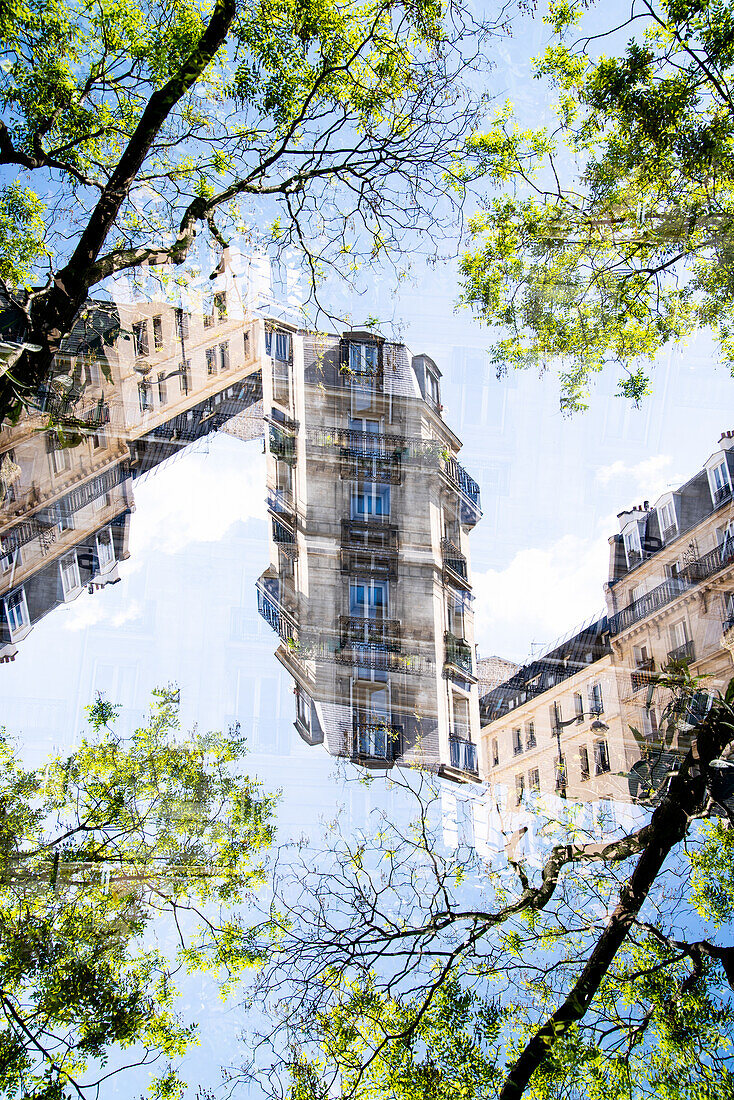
(140, 337)
(460, 706)
(70, 581)
(516, 742)
(596, 702)
(182, 323)
(667, 520)
(370, 500)
(601, 757)
(211, 361)
(584, 762)
(162, 388)
(495, 753)
(224, 356)
(534, 779)
(720, 479)
(105, 549)
(220, 305)
(60, 458)
(144, 396)
(185, 376)
(158, 333)
(16, 611)
(519, 788)
(578, 705)
(530, 741)
(363, 360)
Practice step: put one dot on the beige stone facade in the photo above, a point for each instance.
(132, 384)
(670, 604)
(369, 585)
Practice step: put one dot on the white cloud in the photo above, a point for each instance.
(542, 594)
(198, 497)
(89, 611)
(650, 477)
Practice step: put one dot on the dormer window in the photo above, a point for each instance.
(363, 360)
(433, 392)
(668, 521)
(719, 482)
(632, 547)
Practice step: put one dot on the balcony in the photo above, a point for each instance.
(458, 653)
(634, 557)
(282, 444)
(280, 505)
(376, 466)
(454, 564)
(642, 676)
(683, 652)
(275, 615)
(285, 538)
(467, 488)
(376, 740)
(670, 533)
(369, 546)
(695, 572)
(463, 755)
(354, 629)
(721, 495)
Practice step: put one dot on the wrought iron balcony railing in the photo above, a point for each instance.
(285, 538)
(366, 466)
(670, 533)
(468, 488)
(458, 653)
(376, 740)
(275, 615)
(369, 546)
(691, 575)
(463, 755)
(354, 630)
(683, 652)
(280, 503)
(282, 445)
(643, 675)
(454, 562)
(721, 495)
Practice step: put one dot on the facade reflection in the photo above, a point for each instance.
(586, 720)
(369, 586)
(134, 383)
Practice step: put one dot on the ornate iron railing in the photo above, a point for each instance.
(721, 495)
(355, 629)
(282, 444)
(454, 560)
(692, 574)
(458, 653)
(377, 740)
(463, 755)
(364, 466)
(468, 489)
(276, 616)
(683, 652)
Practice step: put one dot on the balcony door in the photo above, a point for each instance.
(372, 718)
(370, 500)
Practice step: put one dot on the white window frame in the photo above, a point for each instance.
(104, 567)
(71, 589)
(18, 600)
(372, 492)
(718, 475)
(667, 509)
(632, 543)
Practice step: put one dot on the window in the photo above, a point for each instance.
(650, 723)
(140, 336)
(144, 396)
(70, 581)
(211, 361)
(667, 521)
(632, 546)
(455, 613)
(578, 705)
(516, 742)
(64, 519)
(16, 612)
(556, 716)
(162, 388)
(182, 323)
(99, 441)
(246, 344)
(720, 483)
(519, 788)
(584, 762)
(157, 333)
(185, 376)
(281, 381)
(460, 706)
(368, 599)
(601, 757)
(530, 741)
(220, 305)
(561, 773)
(105, 549)
(678, 633)
(596, 701)
(370, 500)
(363, 360)
(208, 314)
(495, 753)
(534, 779)
(434, 393)
(224, 356)
(9, 559)
(60, 458)
(283, 346)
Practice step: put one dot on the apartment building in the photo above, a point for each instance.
(132, 385)
(369, 584)
(585, 721)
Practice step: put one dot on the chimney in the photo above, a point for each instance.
(725, 436)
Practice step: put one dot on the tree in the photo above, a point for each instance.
(100, 853)
(576, 966)
(327, 126)
(608, 262)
